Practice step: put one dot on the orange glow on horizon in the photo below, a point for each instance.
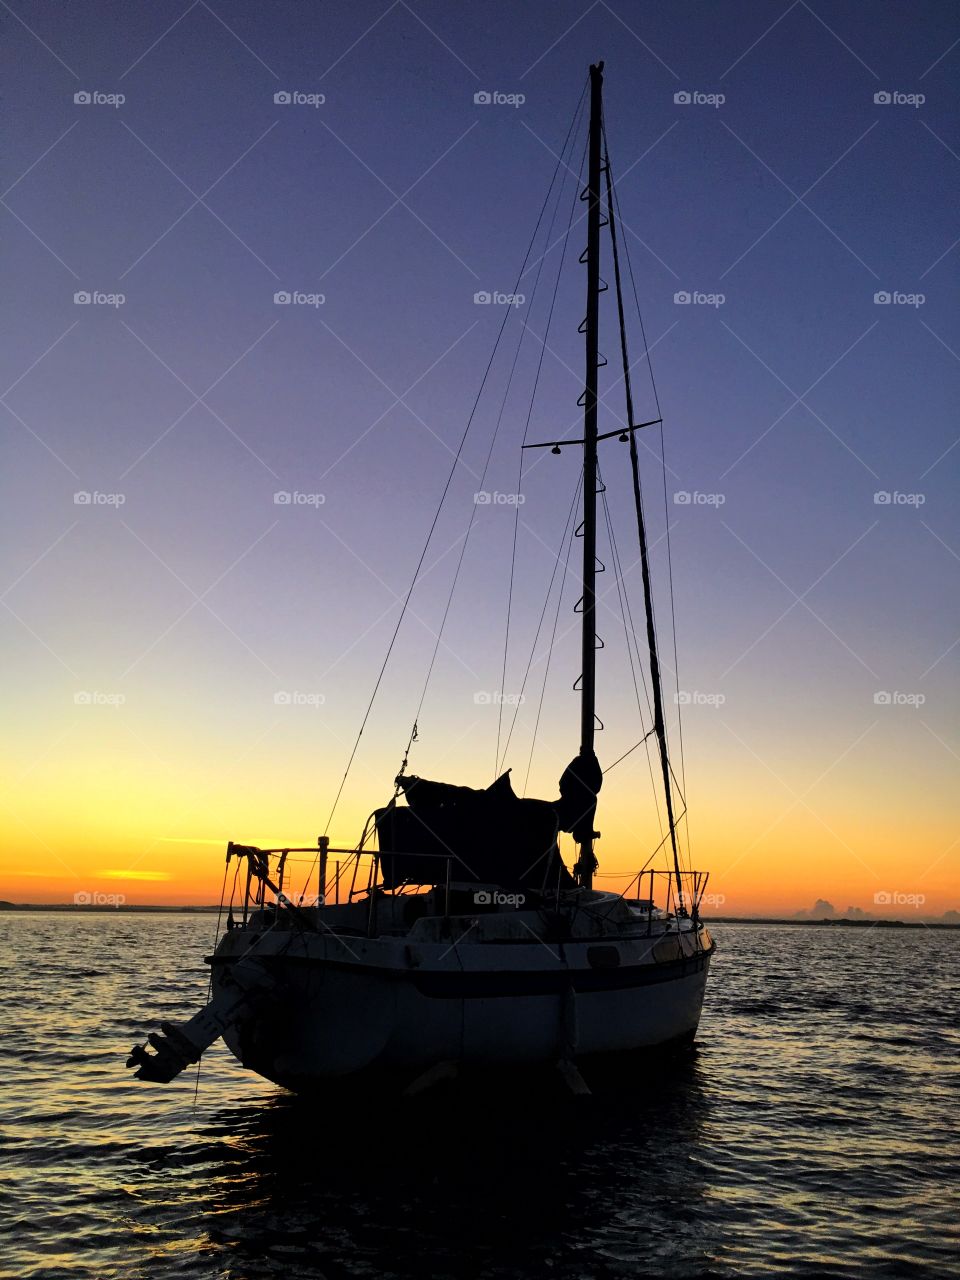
(760, 862)
(145, 809)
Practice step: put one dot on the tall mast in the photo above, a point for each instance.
(592, 326)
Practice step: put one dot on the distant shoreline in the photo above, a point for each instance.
(90, 909)
(77, 909)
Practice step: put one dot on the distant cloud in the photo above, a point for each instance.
(820, 909)
(824, 910)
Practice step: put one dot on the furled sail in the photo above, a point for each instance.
(580, 784)
(490, 837)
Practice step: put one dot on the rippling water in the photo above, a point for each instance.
(814, 1132)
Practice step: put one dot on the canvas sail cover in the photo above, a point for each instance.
(493, 837)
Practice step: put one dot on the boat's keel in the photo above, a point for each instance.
(572, 1078)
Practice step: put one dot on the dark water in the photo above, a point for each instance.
(813, 1133)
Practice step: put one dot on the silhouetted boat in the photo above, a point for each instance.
(462, 941)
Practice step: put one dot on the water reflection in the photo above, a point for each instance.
(464, 1183)
(813, 1134)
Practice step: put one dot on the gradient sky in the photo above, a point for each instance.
(183, 612)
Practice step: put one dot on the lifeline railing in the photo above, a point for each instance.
(690, 899)
(344, 874)
(332, 875)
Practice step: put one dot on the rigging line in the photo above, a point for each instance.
(556, 620)
(673, 619)
(470, 524)
(636, 880)
(526, 430)
(625, 601)
(486, 465)
(656, 394)
(571, 514)
(223, 890)
(652, 646)
(233, 889)
(676, 783)
(503, 404)
(628, 752)
(443, 495)
(506, 633)
(216, 940)
(624, 612)
(663, 461)
(621, 586)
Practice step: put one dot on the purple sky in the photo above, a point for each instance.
(797, 198)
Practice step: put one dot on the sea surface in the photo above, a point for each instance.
(813, 1132)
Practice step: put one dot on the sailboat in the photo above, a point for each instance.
(453, 938)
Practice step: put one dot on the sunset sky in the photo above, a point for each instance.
(188, 661)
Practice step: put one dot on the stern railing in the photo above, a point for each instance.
(342, 875)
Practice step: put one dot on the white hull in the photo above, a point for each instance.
(335, 1007)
